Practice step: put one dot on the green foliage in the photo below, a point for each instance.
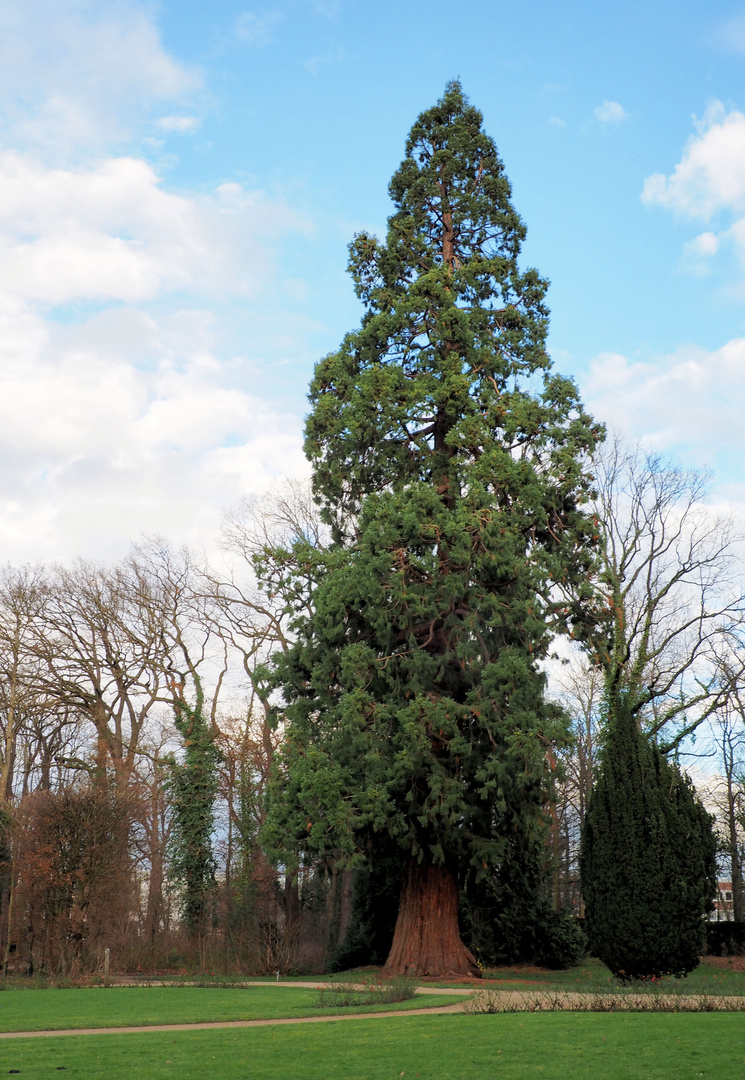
(648, 860)
(314, 892)
(193, 786)
(725, 939)
(375, 897)
(449, 462)
(507, 917)
(245, 810)
(562, 941)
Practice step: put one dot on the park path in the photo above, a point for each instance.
(518, 1001)
(128, 981)
(212, 1024)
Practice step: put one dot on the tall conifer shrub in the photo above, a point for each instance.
(648, 860)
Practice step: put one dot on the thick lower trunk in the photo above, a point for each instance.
(427, 939)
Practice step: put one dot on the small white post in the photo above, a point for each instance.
(106, 957)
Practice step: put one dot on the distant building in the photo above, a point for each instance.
(723, 908)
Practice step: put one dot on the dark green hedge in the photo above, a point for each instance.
(725, 939)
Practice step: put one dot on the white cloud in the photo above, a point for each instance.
(699, 252)
(111, 232)
(610, 112)
(315, 64)
(80, 73)
(708, 182)
(326, 9)
(692, 399)
(257, 29)
(131, 421)
(178, 123)
(704, 245)
(557, 121)
(711, 174)
(730, 34)
(96, 449)
(120, 413)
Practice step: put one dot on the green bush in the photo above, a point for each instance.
(507, 917)
(541, 936)
(561, 941)
(725, 938)
(367, 992)
(375, 898)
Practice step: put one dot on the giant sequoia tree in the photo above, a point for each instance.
(448, 461)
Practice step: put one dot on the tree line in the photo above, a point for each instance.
(133, 696)
(373, 729)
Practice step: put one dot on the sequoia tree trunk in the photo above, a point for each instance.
(427, 940)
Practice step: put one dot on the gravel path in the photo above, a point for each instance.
(518, 1001)
(209, 1025)
(295, 982)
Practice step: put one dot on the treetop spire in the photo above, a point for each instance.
(440, 376)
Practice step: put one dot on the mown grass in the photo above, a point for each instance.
(54, 1010)
(549, 1046)
(591, 976)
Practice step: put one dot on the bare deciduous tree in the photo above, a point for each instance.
(669, 574)
(259, 598)
(725, 789)
(24, 707)
(579, 688)
(74, 888)
(103, 655)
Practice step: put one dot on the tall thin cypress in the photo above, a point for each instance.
(648, 859)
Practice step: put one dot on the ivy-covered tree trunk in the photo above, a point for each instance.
(193, 786)
(449, 463)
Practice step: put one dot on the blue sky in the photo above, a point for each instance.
(178, 184)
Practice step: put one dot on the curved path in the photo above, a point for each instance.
(520, 1001)
(207, 1025)
(211, 1024)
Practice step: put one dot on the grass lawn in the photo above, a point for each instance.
(591, 975)
(45, 1010)
(588, 976)
(534, 1046)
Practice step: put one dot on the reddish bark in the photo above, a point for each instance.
(427, 939)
